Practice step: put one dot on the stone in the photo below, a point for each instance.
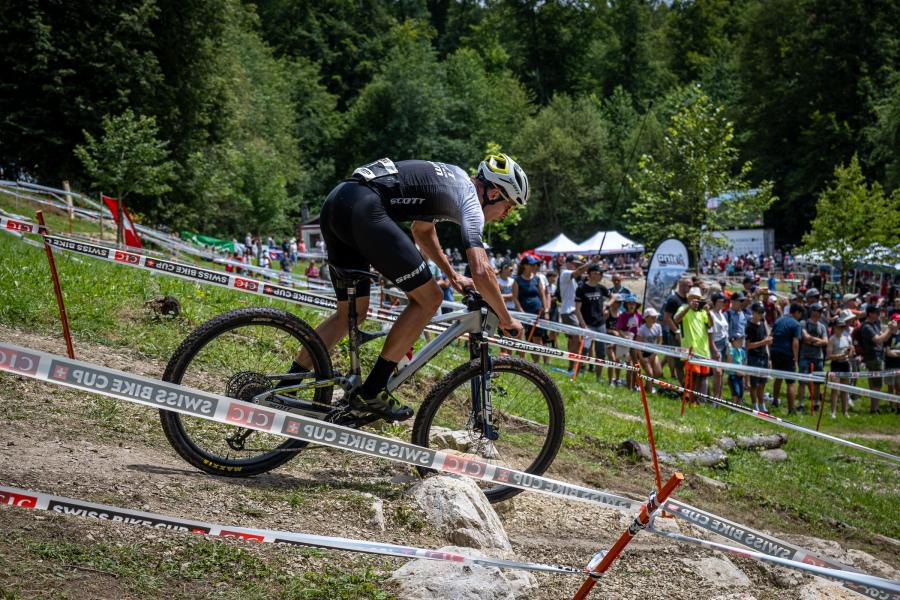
(721, 485)
(823, 589)
(377, 511)
(871, 565)
(461, 441)
(719, 572)
(424, 579)
(774, 455)
(458, 508)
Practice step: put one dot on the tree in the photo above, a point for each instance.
(854, 222)
(696, 163)
(128, 158)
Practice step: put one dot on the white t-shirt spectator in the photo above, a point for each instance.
(720, 326)
(567, 289)
(506, 286)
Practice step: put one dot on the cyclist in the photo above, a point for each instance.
(359, 225)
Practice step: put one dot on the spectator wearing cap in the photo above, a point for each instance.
(758, 341)
(851, 302)
(839, 351)
(895, 307)
(613, 309)
(735, 315)
(892, 354)
(671, 331)
(811, 297)
(505, 281)
(650, 332)
(627, 324)
(720, 337)
(617, 287)
(528, 296)
(813, 340)
(872, 340)
(785, 351)
(696, 327)
(590, 309)
(568, 286)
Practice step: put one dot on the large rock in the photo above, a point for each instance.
(719, 572)
(823, 589)
(428, 580)
(458, 508)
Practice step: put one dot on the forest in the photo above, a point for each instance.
(259, 109)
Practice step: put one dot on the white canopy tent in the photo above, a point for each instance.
(558, 245)
(609, 242)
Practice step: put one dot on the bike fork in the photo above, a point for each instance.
(482, 409)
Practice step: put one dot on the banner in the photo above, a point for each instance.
(131, 235)
(669, 262)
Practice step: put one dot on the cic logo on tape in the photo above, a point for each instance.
(126, 257)
(20, 500)
(250, 415)
(245, 284)
(21, 362)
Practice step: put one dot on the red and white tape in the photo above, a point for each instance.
(79, 508)
(159, 394)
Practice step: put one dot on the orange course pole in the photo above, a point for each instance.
(70, 349)
(640, 379)
(578, 364)
(640, 521)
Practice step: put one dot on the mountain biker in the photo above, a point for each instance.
(359, 225)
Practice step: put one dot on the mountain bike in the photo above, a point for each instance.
(501, 409)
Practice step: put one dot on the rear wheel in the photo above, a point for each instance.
(528, 415)
(233, 354)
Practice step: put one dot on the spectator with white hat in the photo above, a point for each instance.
(650, 332)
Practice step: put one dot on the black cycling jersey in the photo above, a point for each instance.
(359, 218)
(421, 190)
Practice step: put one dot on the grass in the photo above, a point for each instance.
(159, 569)
(821, 483)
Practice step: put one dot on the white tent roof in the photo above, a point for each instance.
(612, 242)
(558, 245)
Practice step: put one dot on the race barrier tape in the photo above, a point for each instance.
(229, 411)
(858, 374)
(145, 391)
(775, 420)
(843, 387)
(867, 585)
(193, 273)
(21, 498)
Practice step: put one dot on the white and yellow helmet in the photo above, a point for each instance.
(507, 175)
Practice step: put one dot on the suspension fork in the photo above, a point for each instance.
(353, 333)
(482, 407)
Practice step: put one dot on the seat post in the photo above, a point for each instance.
(353, 332)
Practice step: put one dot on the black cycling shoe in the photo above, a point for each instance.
(383, 404)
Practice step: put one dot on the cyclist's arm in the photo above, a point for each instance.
(425, 236)
(486, 284)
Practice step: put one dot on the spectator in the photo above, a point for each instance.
(736, 356)
(292, 249)
(785, 350)
(872, 340)
(553, 298)
(892, 355)
(772, 283)
(895, 307)
(749, 286)
(628, 324)
(613, 308)
(757, 343)
(312, 271)
(650, 332)
(671, 331)
(590, 310)
(528, 295)
(301, 246)
(617, 287)
(720, 338)
(505, 281)
(813, 340)
(446, 291)
(736, 317)
(568, 285)
(812, 297)
(839, 352)
(696, 327)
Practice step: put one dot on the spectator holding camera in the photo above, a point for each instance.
(697, 335)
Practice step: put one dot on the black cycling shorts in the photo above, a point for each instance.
(358, 234)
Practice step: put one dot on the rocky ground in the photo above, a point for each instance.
(74, 444)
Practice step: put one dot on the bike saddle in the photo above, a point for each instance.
(351, 277)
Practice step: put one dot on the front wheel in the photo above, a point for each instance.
(234, 354)
(528, 415)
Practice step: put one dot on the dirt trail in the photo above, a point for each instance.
(74, 444)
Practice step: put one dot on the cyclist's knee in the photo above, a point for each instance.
(428, 296)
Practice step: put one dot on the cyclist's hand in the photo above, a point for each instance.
(513, 328)
(460, 283)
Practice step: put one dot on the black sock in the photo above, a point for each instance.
(296, 368)
(378, 377)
